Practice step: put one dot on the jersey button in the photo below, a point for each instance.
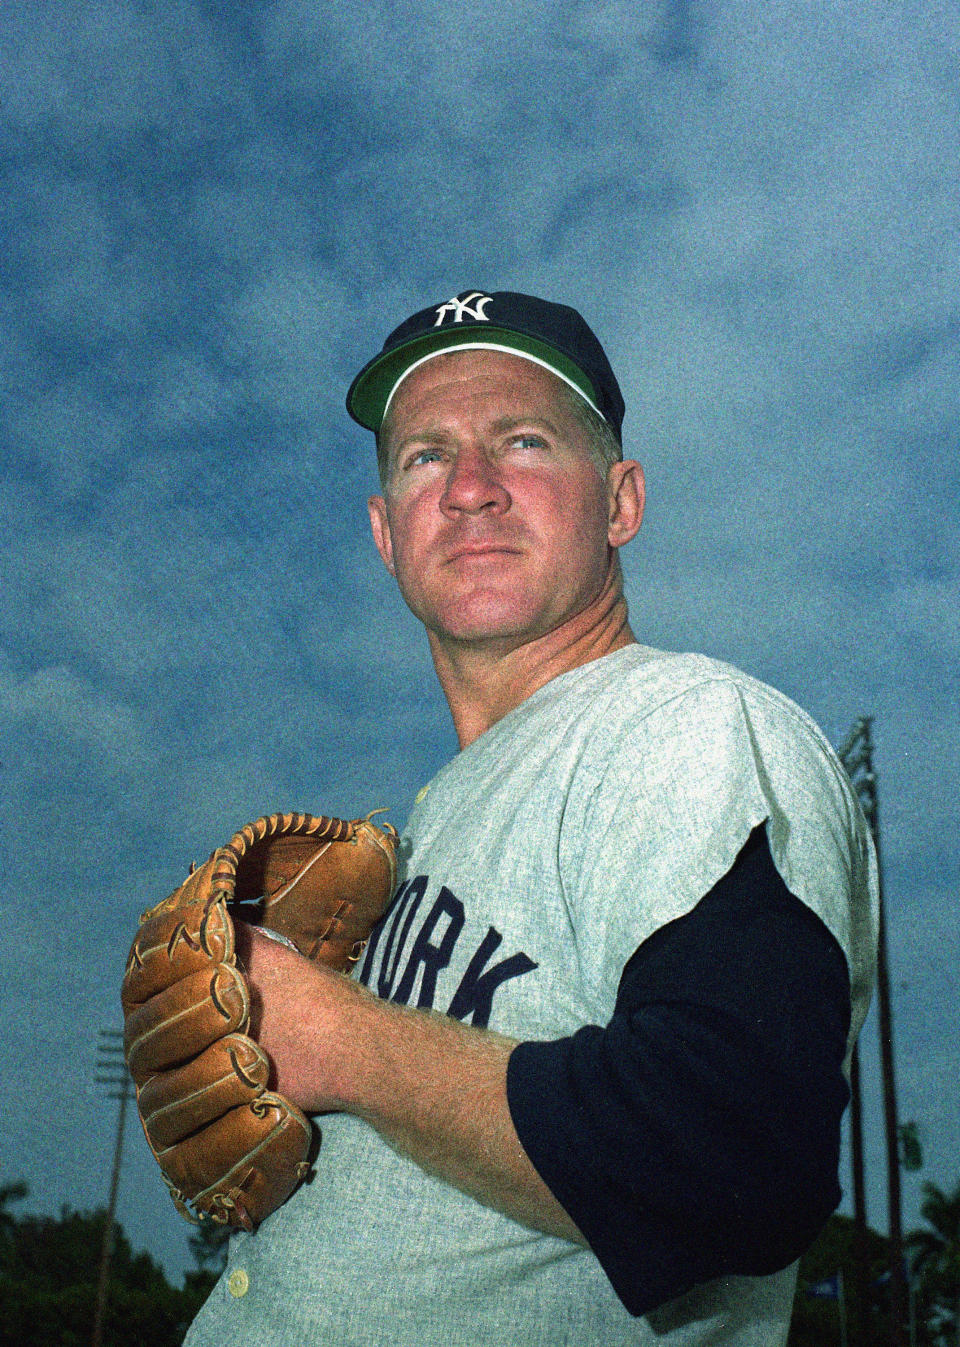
(238, 1283)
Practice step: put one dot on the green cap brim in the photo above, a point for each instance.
(367, 398)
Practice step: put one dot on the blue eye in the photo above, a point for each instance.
(530, 441)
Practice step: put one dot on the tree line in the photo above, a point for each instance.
(49, 1270)
(835, 1306)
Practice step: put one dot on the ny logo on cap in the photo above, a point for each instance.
(460, 308)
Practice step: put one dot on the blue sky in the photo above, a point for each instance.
(213, 213)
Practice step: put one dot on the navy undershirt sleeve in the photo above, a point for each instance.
(697, 1135)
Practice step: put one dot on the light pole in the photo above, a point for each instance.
(856, 755)
(111, 1070)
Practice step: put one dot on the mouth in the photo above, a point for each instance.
(477, 551)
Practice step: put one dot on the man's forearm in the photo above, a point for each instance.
(435, 1089)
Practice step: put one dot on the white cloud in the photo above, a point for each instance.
(66, 707)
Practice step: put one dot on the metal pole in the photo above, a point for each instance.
(898, 1286)
(859, 1242)
(842, 1309)
(111, 1052)
(850, 757)
(860, 766)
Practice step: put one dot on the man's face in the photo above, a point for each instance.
(495, 518)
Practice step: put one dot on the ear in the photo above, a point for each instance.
(381, 531)
(626, 495)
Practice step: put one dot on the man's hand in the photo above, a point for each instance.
(435, 1089)
(291, 1003)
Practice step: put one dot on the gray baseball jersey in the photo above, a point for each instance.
(532, 867)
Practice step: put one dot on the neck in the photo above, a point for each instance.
(484, 680)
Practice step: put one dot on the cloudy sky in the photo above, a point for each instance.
(211, 216)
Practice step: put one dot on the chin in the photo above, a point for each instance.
(467, 621)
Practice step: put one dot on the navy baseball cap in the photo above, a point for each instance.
(551, 335)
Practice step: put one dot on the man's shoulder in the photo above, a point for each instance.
(651, 711)
(638, 681)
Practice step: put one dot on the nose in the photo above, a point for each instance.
(474, 485)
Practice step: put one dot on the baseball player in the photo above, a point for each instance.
(586, 1082)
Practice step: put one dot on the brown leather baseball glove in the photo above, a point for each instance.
(225, 1144)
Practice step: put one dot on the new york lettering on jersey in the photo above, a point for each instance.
(415, 942)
